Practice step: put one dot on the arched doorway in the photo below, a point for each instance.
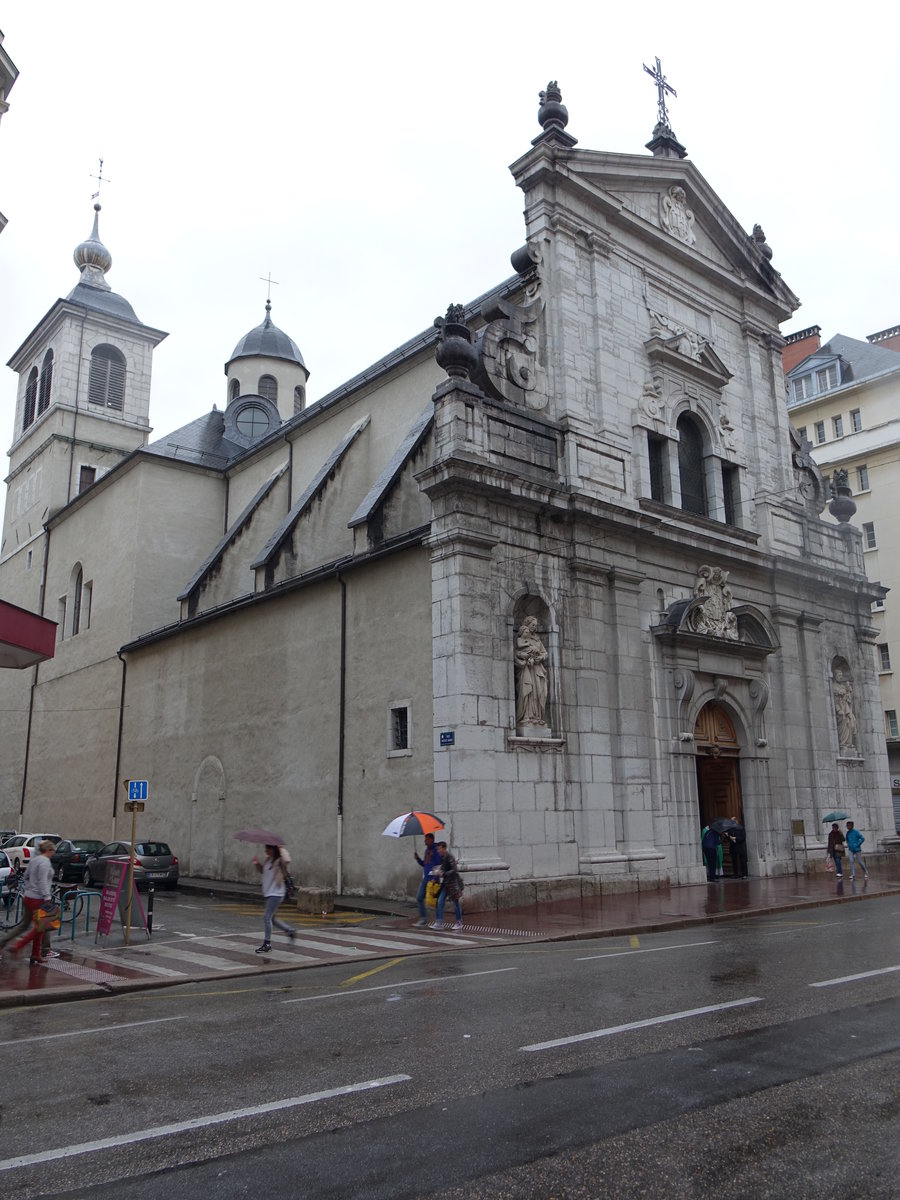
(718, 765)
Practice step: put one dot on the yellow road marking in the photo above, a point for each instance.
(374, 971)
(633, 940)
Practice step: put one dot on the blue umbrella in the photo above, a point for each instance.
(835, 816)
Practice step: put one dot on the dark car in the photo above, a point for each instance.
(154, 862)
(70, 858)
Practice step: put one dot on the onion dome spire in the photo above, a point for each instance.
(92, 258)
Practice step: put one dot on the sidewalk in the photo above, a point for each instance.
(370, 928)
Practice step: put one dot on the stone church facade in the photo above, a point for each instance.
(555, 570)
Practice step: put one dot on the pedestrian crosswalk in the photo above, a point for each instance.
(171, 955)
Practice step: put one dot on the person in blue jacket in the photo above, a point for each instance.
(854, 849)
(710, 844)
(430, 862)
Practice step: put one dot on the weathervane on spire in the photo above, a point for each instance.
(661, 88)
(101, 179)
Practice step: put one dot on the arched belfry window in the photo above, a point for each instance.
(299, 398)
(691, 469)
(107, 382)
(77, 584)
(268, 388)
(46, 382)
(31, 390)
(235, 390)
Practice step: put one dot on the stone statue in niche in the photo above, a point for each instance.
(675, 215)
(842, 691)
(714, 616)
(531, 677)
(726, 431)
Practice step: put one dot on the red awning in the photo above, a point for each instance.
(25, 638)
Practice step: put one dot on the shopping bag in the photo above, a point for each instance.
(431, 893)
(829, 863)
(46, 918)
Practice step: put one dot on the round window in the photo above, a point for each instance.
(252, 420)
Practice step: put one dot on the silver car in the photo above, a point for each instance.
(154, 863)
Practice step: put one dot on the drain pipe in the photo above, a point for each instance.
(339, 881)
(115, 806)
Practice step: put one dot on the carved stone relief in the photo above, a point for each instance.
(530, 656)
(508, 349)
(675, 216)
(714, 616)
(844, 714)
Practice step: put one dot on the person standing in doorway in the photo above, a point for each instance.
(451, 887)
(738, 839)
(854, 849)
(430, 861)
(273, 890)
(710, 844)
(836, 850)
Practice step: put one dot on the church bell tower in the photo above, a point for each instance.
(82, 405)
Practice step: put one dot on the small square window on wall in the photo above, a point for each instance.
(801, 434)
(862, 479)
(868, 531)
(86, 477)
(820, 432)
(399, 731)
(855, 420)
(884, 656)
(890, 720)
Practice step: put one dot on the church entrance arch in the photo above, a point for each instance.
(718, 765)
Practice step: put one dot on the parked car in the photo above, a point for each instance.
(154, 862)
(25, 845)
(6, 872)
(6, 834)
(71, 856)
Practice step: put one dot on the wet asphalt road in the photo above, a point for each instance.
(734, 1060)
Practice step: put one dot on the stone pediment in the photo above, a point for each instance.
(671, 198)
(688, 355)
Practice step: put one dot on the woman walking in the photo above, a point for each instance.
(451, 886)
(273, 889)
(38, 884)
(836, 850)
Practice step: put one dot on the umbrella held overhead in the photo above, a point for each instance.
(260, 837)
(412, 823)
(834, 816)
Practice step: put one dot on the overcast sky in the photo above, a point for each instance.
(359, 152)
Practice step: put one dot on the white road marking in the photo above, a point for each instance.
(49, 1037)
(650, 950)
(158, 1131)
(240, 948)
(392, 987)
(853, 978)
(608, 1032)
(200, 960)
(140, 965)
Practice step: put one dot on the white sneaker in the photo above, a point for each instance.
(438, 925)
(420, 923)
(458, 925)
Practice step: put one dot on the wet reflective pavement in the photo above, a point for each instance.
(224, 927)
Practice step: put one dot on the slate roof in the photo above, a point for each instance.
(267, 339)
(201, 441)
(860, 360)
(103, 301)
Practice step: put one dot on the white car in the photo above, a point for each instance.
(5, 872)
(19, 850)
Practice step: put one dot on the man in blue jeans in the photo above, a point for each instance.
(431, 860)
(854, 846)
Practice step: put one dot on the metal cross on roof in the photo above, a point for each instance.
(661, 88)
(269, 280)
(101, 179)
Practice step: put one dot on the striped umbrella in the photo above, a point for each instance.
(412, 823)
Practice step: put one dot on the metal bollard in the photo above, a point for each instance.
(150, 892)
